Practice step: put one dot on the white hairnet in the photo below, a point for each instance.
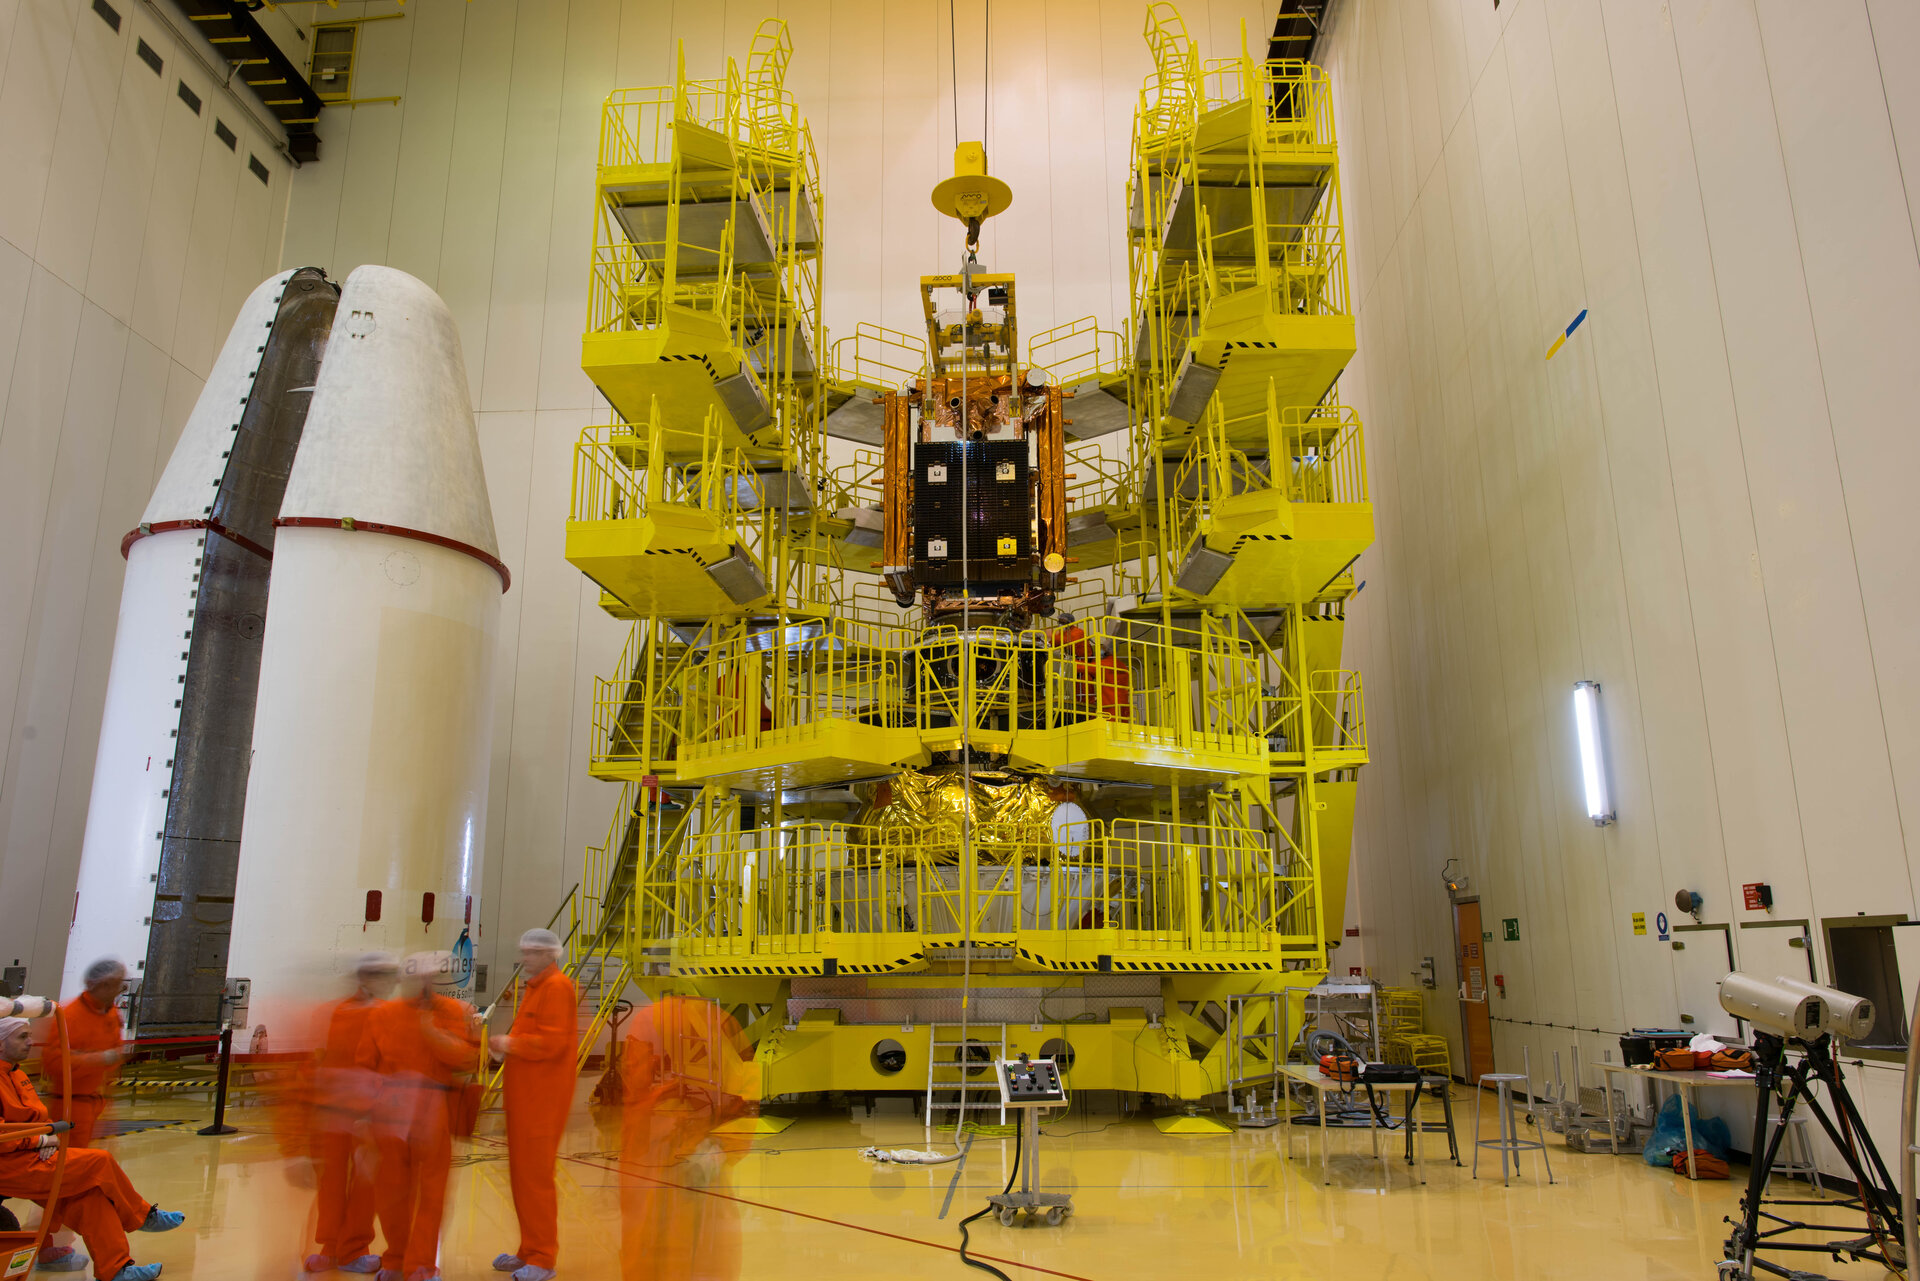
(376, 963)
(9, 1026)
(541, 938)
(103, 969)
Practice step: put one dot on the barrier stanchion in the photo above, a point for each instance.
(220, 1125)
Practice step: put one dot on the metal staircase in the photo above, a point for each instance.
(603, 927)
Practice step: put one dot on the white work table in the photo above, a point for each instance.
(1684, 1083)
(1304, 1074)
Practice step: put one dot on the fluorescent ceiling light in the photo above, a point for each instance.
(1593, 770)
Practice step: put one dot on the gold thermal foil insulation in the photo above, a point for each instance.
(928, 814)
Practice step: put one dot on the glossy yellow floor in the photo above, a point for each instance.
(805, 1204)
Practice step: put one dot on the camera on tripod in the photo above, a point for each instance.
(1789, 1015)
(1796, 1010)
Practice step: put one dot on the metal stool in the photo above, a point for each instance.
(1507, 1143)
(1798, 1141)
(1443, 1087)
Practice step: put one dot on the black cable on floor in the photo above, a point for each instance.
(988, 1209)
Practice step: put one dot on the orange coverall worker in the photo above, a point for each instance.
(686, 1072)
(1077, 685)
(343, 1157)
(540, 1075)
(96, 1198)
(90, 1030)
(1116, 689)
(416, 1046)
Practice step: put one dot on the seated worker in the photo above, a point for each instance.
(95, 1048)
(96, 1199)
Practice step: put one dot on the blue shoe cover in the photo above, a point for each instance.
(533, 1272)
(137, 1272)
(159, 1220)
(365, 1263)
(61, 1259)
(508, 1263)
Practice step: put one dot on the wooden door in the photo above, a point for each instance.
(1475, 1026)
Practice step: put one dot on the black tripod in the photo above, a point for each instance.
(1872, 1196)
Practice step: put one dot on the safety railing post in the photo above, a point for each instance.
(220, 1125)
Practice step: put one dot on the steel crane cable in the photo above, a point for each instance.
(953, 69)
(969, 863)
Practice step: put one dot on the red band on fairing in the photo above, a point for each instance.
(139, 532)
(353, 524)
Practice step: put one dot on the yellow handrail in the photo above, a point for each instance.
(1127, 885)
(752, 687)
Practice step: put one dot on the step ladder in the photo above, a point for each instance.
(951, 1087)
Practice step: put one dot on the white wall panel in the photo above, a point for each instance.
(79, 162)
(1894, 27)
(1828, 685)
(104, 170)
(8, 10)
(128, 483)
(55, 609)
(428, 114)
(592, 30)
(29, 443)
(246, 243)
(1863, 289)
(30, 97)
(472, 213)
(16, 272)
(540, 771)
(199, 328)
(168, 223)
(1695, 501)
(850, 139)
(126, 188)
(506, 451)
(511, 369)
(313, 220)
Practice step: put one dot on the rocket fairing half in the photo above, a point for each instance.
(293, 755)
(163, 823)
(366, 803)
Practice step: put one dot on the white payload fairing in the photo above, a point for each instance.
(169, 779)
(367, 805)
(293, 758)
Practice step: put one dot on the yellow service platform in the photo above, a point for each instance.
(1141, 802)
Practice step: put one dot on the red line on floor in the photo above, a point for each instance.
(802, 1214)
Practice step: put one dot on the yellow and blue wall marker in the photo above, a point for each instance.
(1567, 333)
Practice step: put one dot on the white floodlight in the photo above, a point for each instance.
(1593, 768)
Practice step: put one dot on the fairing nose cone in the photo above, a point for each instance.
(390, 438)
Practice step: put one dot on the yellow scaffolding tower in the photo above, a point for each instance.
(1185, 751)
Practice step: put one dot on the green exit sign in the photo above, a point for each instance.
(1511, 924)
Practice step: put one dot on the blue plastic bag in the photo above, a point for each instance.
(1670, 1136)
